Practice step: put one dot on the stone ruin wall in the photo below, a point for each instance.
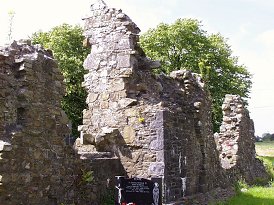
(36, 167)
(31, 119)
(115, 122)
(236, 142)
(190, 154)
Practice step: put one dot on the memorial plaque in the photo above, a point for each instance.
(138, 191)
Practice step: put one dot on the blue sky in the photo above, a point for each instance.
(247, 24)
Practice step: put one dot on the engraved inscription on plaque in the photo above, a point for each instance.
(138, 191)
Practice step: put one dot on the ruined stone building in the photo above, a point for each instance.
(137, 124)
(157, 125)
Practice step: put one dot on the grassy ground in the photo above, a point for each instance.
(257, 195)
(254, 196)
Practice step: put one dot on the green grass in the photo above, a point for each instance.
(257, 195)
(253, 196)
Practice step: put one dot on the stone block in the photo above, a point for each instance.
(119, 85)
(131, 112)
(156, 169)
(86, 115)
(157, 145)
(5, 146)
(125, 43)
(106, 133)
(160, 156)
(124, 61)
(91, 64)
(104, 105)
(129, 134)
(104, 96)
(92, 97)
(125, 72)
(126, 102)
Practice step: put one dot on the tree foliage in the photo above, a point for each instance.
(268, 137)
(66, 43)
(185, 45)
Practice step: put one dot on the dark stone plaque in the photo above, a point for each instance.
(138, 191)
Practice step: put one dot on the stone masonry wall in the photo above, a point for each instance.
(31, 120)
(36, 167)
(158, 126)
(190, 154)
(236, 142)
(114, 123)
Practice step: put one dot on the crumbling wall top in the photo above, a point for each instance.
(23, 49)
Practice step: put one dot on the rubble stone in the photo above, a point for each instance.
(236, 143)
(36, 166)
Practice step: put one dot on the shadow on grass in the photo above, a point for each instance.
(248, 199)
(268, 162)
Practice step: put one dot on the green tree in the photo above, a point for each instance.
(268, 137)
(66, 42)
(185, 45)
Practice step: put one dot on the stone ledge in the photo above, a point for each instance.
(5, 146)
(95, 155)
